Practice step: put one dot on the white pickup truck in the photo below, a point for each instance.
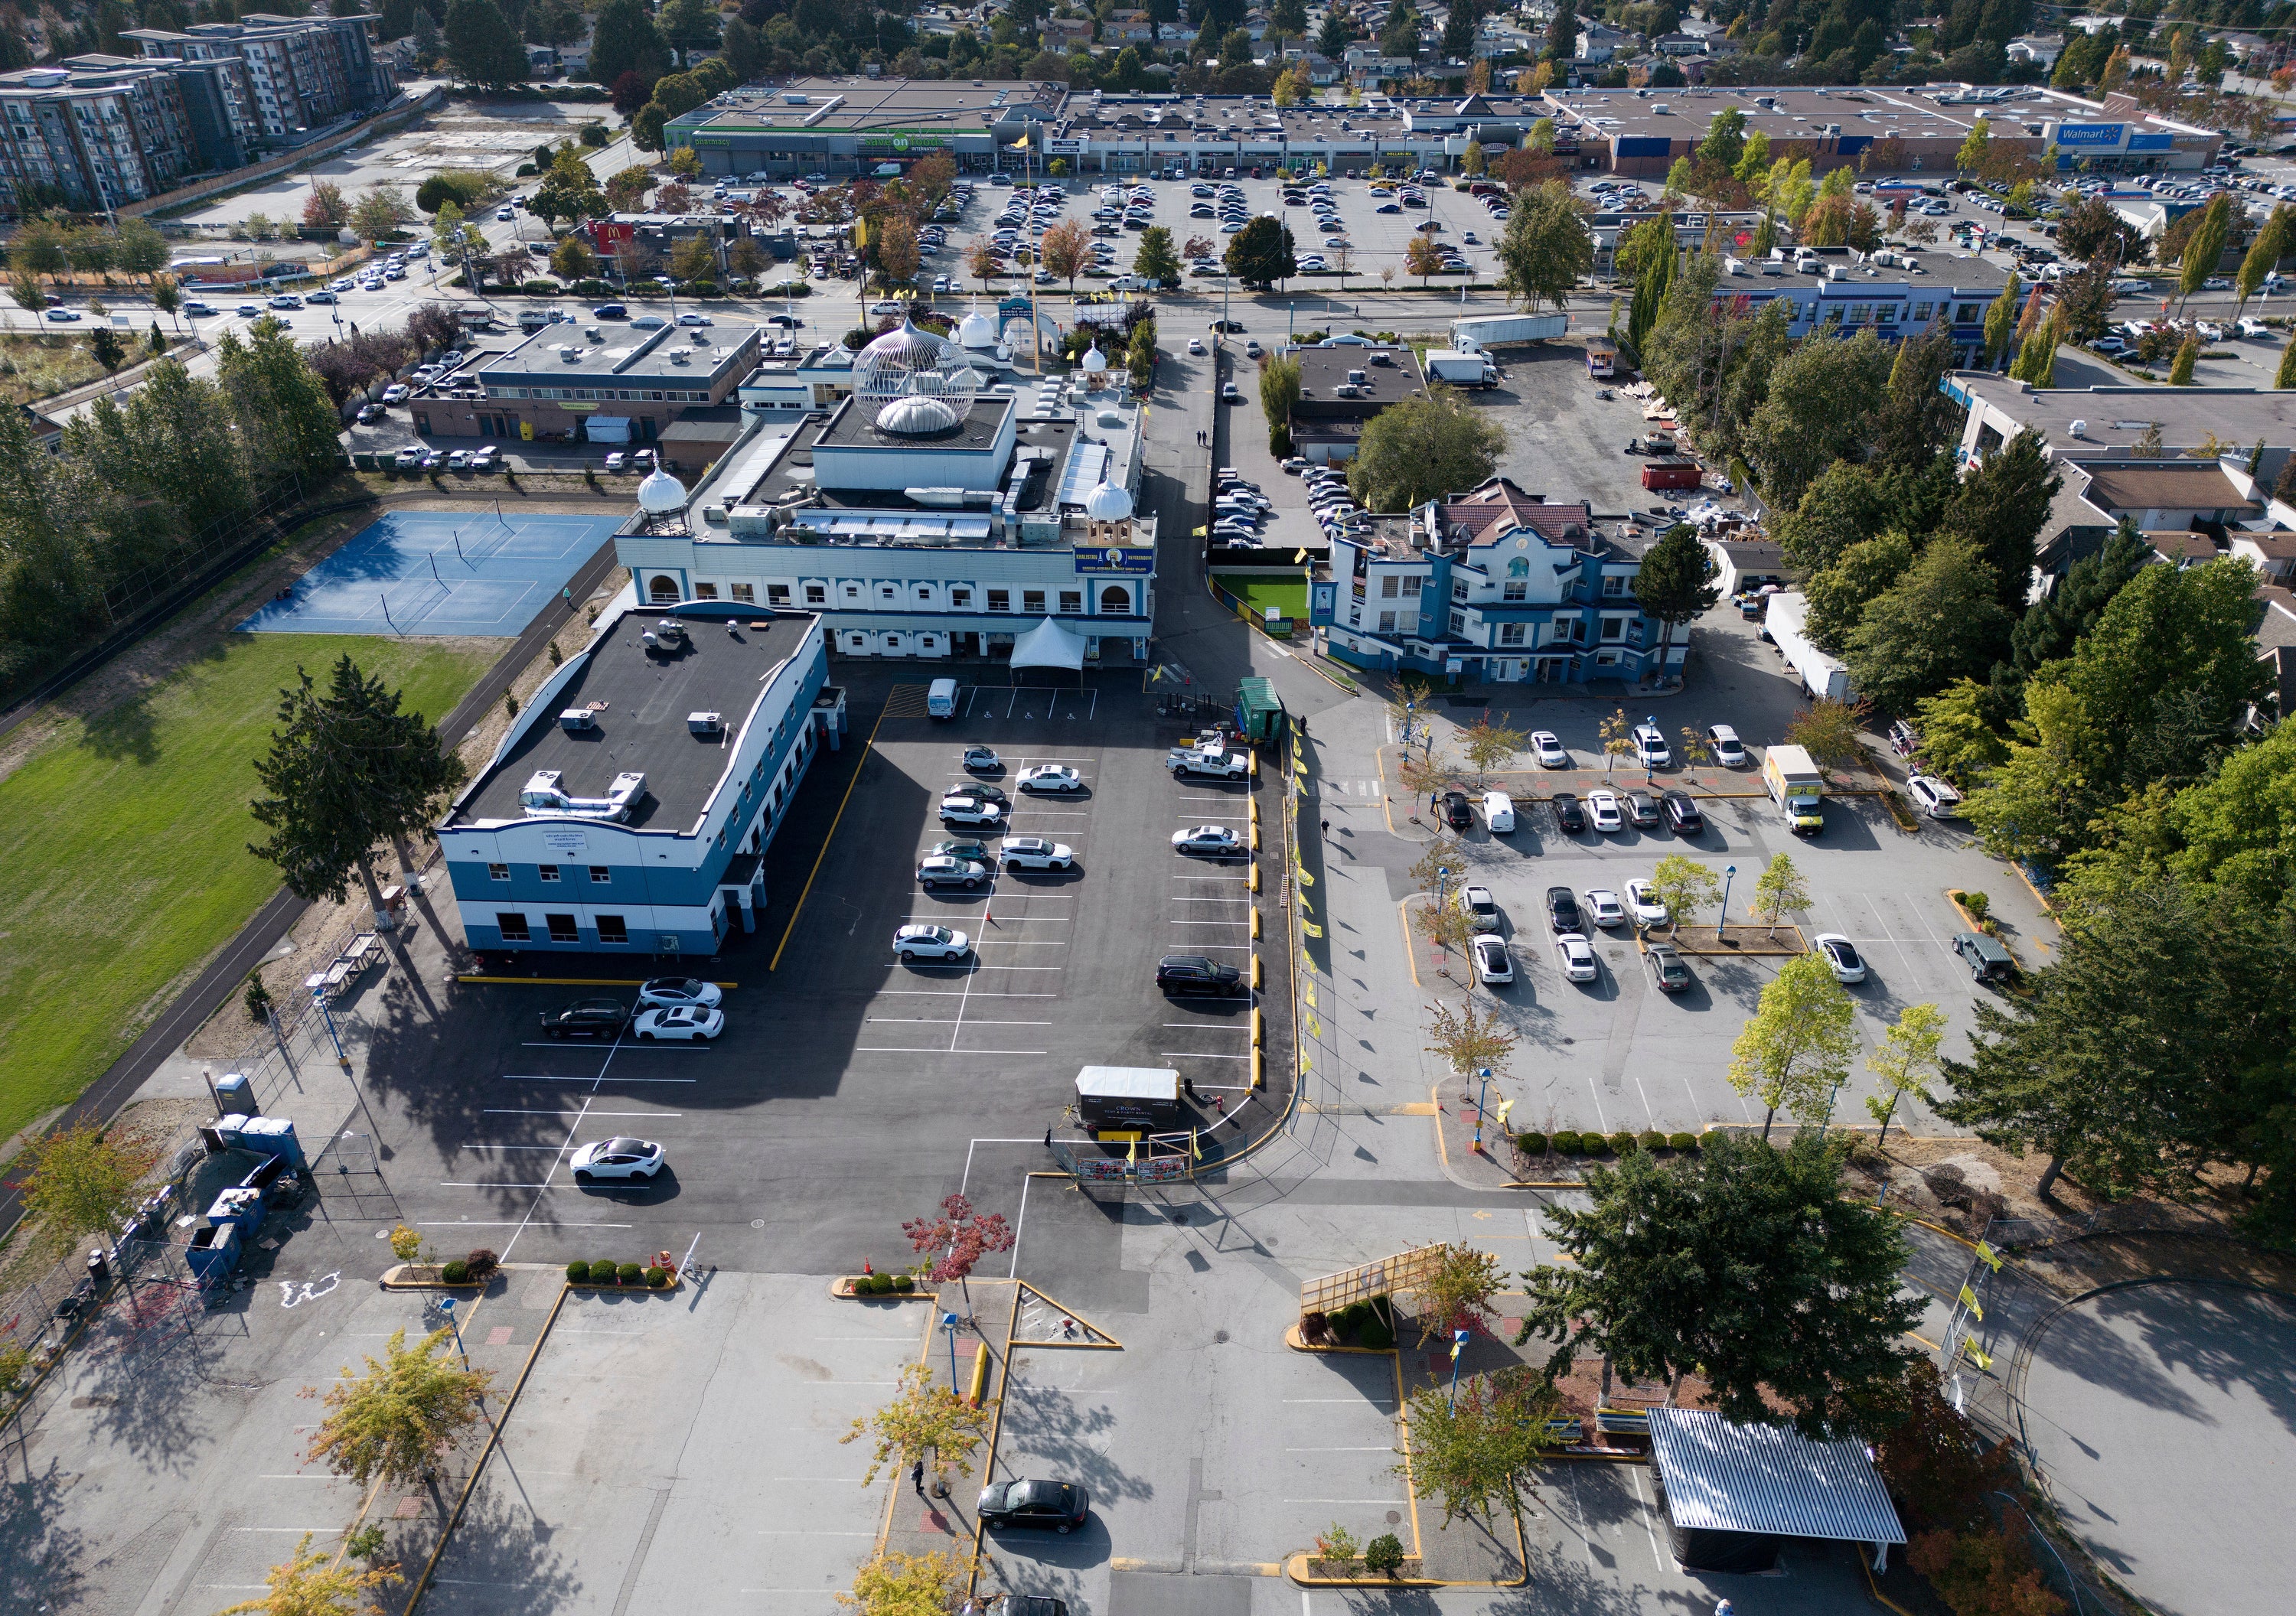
(1210, 765)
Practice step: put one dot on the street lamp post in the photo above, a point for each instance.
(447, 1307)
(1458, 1348)
(319, 998)
(1722, 921)
(948, 1322)
(1482, 1098)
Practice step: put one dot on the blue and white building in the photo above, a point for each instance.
(923, 509)
(628, 808)
(1895, 294)
(1494, 586)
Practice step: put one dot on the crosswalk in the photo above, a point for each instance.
(1362, 791)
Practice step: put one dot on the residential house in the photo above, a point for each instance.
(1066, 34)
(1128, 28)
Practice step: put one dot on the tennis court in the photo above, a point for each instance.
(479, 572)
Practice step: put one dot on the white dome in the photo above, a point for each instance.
(977, 331)
(916, 415)
(1094, 361)
(907, 347)
(661, 492)
(1108, 503)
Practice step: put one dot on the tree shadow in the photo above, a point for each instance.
(40, 1560)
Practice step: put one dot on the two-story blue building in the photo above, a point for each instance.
(1891, 293)
(628, 806)
(1495, 586)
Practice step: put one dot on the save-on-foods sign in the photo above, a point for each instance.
(903, 143)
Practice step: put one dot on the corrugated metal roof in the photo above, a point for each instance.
(1770, 1479)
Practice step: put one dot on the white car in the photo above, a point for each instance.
(1549, 750)
(670, 993)
(970, 811)
(942, 871)
(1650, 748)
(1642, 908)
(616, 460)
(1603, 809)
(1050, 776)
(1217, 840)
(620, 1158)
(1933, 796)
(1034, 852)
(1841, 956)
(1195, 344)
(688, 1024)
(1482, 909)
(929, 942)
(1727, 750)
(1577, 957)
(1603, 908)
(1494, 965)
(694, 320)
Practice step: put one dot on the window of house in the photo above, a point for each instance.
(816, 594)
(602, 875)
(857, 643)
(776, 594)
(888, 592)
(746, 593)
(499, 872)
(1390, 586)
(1458, 622)
(1519, 569)
(1515, 589)
(1071, 602)
(1000, 600)
(1510, 634)
(705, 592)
(549, 871)
(1387, 623)
(959, 596)
(562, 928)
(852, 592)
(1614, 628)
(1411, 585)
(1032, 600)
(612, 928)
(513, 927)
(1613, 586)
(1458, 589)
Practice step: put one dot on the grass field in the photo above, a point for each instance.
(1288, 595)
(123, 850)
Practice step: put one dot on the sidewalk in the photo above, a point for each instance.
(917, 1522)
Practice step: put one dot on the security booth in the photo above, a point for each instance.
(1128, 1102)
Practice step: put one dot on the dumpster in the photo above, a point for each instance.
(1258, 710)
(1672, 474)
(213, 1253)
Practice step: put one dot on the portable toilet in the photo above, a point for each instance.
(235, 1093)
(275, 1136)
(231, 1127)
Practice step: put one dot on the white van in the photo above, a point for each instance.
(941, 699)
(1499, 812)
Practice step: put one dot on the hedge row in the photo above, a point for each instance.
(628, 1274)
(883, 1285)
(1568, 1143)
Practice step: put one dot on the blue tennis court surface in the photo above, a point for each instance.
(432, 572)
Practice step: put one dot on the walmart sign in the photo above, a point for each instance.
(2090, 137)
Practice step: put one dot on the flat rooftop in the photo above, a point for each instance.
(2113, 418)
(641, 724)
(623, 353)
(1879, 110)
(828, 106)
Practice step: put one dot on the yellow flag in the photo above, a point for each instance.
(1132, 1153)
(1308, 993)
(1989, 1256)
(1311, 929)
(1976, 1355)
(1457, 1347)
(1504, 1107)
(1304, 1062)
(1969, 1299)
(1195, 1144)
(1305, 879)
(1315, 1027)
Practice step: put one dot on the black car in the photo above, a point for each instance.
(1455, 812)
(1666, 967)
(1569, 814)
(1027, 1604)
(979, 792)
(1059, 1505)
(1682, 815)
(587, 1018)
(1226, 325)
(1563, 911)
(1195, 973)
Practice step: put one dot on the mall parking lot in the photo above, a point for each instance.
(844, 1061)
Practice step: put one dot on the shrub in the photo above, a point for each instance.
(629, 1273)
(701, 288)
(1623, 1142)
(656, 1278)
(1595, 1144)
(1566, 1143)
(1682, 1141)
(526, 171)
(601, 1273)
(456, 1272)
(1336, 1549)
(1279, 442)
(578, 1272)
(1383, 1553)
(539, 288)
(483, 1264)
(1315, 1326)
(1375, 1334)
(905, 1283)
(1977, 904)
(1531, 1143)
(1651, 1138)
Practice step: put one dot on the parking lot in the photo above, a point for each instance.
(840, 1063)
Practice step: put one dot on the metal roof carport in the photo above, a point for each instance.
(1731, 1492)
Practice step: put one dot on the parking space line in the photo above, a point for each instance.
(483, 1184)
(547, 1077)
(943, 1021)
(935, 993)
(1197, 1055)
(520, 1111)
(904, 1049)
(1198, 1025)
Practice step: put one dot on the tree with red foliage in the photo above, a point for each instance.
(630, 92)
(957, 1240)
(1936, 1464)
(1985, 1572)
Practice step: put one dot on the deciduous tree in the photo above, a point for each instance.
(955, 1242)
(1421, 448)
(1682, 887)
(1490, 745)
(315, 1582)
(399, 1418)
(1795, 1051)
(1479, 1450)
(924, 1419)
(568, 190)
(81, 1180)
(1939, 622)
(1904, 1060)
(1544, 249)
(899, 1584)
(326, 205)
(1827, 729)
(1157, 261)
(1260, 254)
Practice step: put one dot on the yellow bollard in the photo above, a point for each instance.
(979, 1374)
(1258, 1062)
(1258, 1028)
(1255, 971)
(1255, 877)
(1255, 923)
(1255, 840)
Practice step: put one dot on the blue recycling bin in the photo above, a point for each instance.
(213, 1254)
(275, 1136)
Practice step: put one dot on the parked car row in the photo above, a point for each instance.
(970, 864)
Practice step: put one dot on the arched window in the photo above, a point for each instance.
(1116, 602)
(663, 591)
(1517, 568)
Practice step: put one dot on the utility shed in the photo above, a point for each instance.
(1732, 1493)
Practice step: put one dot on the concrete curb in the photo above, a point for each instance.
(842, 1290)
(1292, 1340)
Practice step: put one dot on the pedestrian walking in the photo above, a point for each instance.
(917, 1477)
(1327, 830)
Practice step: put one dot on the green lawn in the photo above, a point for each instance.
(1286, 593)
(123, 850)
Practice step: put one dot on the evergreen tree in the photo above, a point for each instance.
(1676, 581)
(627, 41)
(2051, 626)
(285, 418)
(481, 47)
(2000, 510)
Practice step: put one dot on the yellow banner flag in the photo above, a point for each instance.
(1311, 929)
(1305, 879)
(1308, 993)
(1989, 1256)
(1504, 1107)
(1195, 1144)
(1315, 1027)
(1969, 1299)
(1304, 1062)
(1132, 1153)
(1976, 1355)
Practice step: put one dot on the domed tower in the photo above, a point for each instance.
(1107, 515)
(661, 494)
(1094, 366)
(909, 383)
(976, 333)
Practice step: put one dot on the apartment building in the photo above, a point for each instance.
(300, 74)
(97, 131)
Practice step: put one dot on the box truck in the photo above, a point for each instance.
(1797, 786)
(1460, 370)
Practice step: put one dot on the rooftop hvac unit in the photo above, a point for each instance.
(2079, 428)
(1358, 379)
(681, 356)
(576, 721)
(707, 725)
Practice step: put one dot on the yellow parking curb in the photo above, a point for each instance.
(1255, 969)
(1255, 923)
(1255, 877)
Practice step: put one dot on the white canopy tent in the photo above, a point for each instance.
(1048, 645)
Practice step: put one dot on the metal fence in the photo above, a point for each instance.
(127, 597)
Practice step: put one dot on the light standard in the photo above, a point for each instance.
(1482, 1098)
(1722, 921)
(319, 998)
(1649, 720)
(948, 1322)
(447, 1307)
(1458, 1346)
